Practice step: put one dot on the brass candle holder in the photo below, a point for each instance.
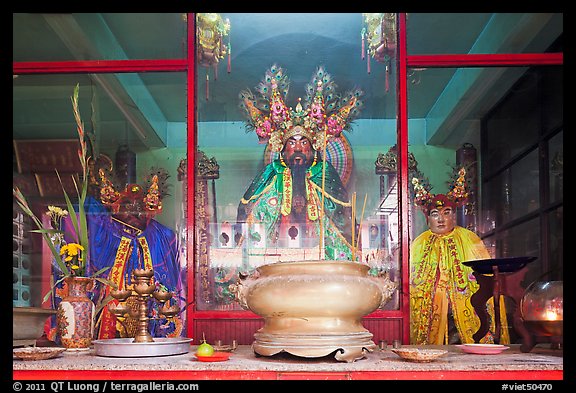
(142, 287)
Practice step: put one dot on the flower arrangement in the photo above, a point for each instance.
(73, 258)
(70, 258)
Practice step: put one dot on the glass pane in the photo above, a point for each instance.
(515, 124)
(556, 164)
(447, 107)
(299, 44)
(553, 97)
(515, 192)
(461, 33)
(556, 225)
(444, 137)
(384, 232)
(524, 186)
(98, 36)
(139, 147)
(474, 118)
(523, 240)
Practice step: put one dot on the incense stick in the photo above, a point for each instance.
(353, 225)
(321, 218)
(361, 219)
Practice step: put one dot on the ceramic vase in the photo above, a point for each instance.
(76, 314)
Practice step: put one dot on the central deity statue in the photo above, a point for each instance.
(311, 308)
(299, 192)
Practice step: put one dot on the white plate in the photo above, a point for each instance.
(37, 353)
(419, 355)
(483, 349)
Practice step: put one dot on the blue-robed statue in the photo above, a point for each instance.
(127, 239)
(123, 237)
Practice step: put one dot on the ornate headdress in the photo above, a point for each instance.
(324, 114)
(152, 200)
(456, 196)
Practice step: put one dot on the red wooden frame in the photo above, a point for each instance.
(404, 61)
(486, 60)
(403, 186)
(99, 66)
(190, 172)
(203, 375)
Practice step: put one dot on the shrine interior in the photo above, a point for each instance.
(472, 90)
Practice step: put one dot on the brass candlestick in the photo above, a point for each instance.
(143, 287)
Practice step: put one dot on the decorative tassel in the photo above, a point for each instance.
(363, 35)
(207, 85)
(383, 28)
(229, 65)
(368, 63)
(215, 71)
(387, 82)
(229, 58)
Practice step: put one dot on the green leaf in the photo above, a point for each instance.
(47, 296)
(99, 272)
(106, 282)
(71, 211)
(101, 304)
(49, 231)
(23, 203)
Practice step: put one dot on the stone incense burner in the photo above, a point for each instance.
(313, 308)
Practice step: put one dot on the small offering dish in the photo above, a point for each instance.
(419, 355)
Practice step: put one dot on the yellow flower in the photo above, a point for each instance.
(72, 251)
(56, 215)
(57, 211)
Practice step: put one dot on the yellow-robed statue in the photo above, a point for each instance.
(440, 284)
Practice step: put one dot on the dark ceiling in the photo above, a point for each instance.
(298, 42)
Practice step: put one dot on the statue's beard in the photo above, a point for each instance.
(298, 164)
(298, 160)
(298, 169)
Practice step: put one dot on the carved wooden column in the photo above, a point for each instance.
(386, 167)
(467, 216)
(206, 169)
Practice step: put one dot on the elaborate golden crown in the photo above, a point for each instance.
(325, 113)
(152, 200)
(456, 196)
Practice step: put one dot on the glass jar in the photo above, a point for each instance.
(542, 308)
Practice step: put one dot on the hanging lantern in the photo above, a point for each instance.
(379, 39)
(380, 34)
(211, 29)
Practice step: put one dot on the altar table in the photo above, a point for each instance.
(542, 363)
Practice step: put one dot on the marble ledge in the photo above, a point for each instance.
(541, 358)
